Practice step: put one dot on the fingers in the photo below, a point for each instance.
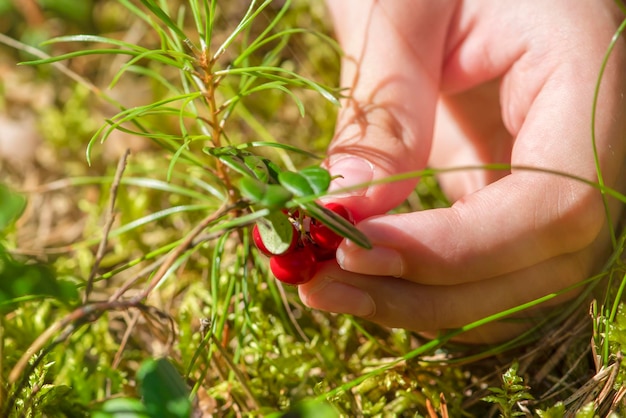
(521, 220)
(469, 132)
(422, 308)
(392, 64)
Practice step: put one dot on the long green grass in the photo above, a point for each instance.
(161, 306)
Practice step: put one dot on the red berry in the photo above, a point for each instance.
(340, 210)
(322, 253)
(322, 235)
(297, 267)
(256, 237)
(258, 241)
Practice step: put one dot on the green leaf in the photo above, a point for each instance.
(237, 163)
(318, 178)
(122, 408)
(307, 182)
(284, 75)
(555, 411)
(258, 167)
(275, 197)
(252, 189)
(337, 224)
(269, 26)
(276, 232)
(20, 281)
(11, 206)
(80, 53)
(96, 39)
(245, 22)
(272, 196)
(243, 162)
(163, 389)
(160, 13)
(273, 170)
(295, 183)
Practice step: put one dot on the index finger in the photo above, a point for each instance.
(392, 65)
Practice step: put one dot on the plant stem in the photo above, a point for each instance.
(211, 82)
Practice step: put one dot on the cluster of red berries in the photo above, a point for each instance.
(312, 242)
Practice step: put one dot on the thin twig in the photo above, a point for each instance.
(118, 355)
(131, 325)
(134, 279)
(180, 249)
(110, 218)
(617, 400)
(292, 318)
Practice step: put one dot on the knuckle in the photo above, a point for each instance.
(578, 219)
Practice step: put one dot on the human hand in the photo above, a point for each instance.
(509, 82)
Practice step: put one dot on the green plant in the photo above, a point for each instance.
(296, 242)
(512, 393)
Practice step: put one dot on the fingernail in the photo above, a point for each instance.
(351, 171)
(342, 298)
(378, 261)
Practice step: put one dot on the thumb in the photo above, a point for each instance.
(356, 161)
(392, 64)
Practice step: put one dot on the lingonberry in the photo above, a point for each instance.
(318, 243)
(258, 242)
(297, 267)
(322, 235)
(340, 210)
(322, 253)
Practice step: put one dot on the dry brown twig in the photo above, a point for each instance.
(110, 219)
(187, 243)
